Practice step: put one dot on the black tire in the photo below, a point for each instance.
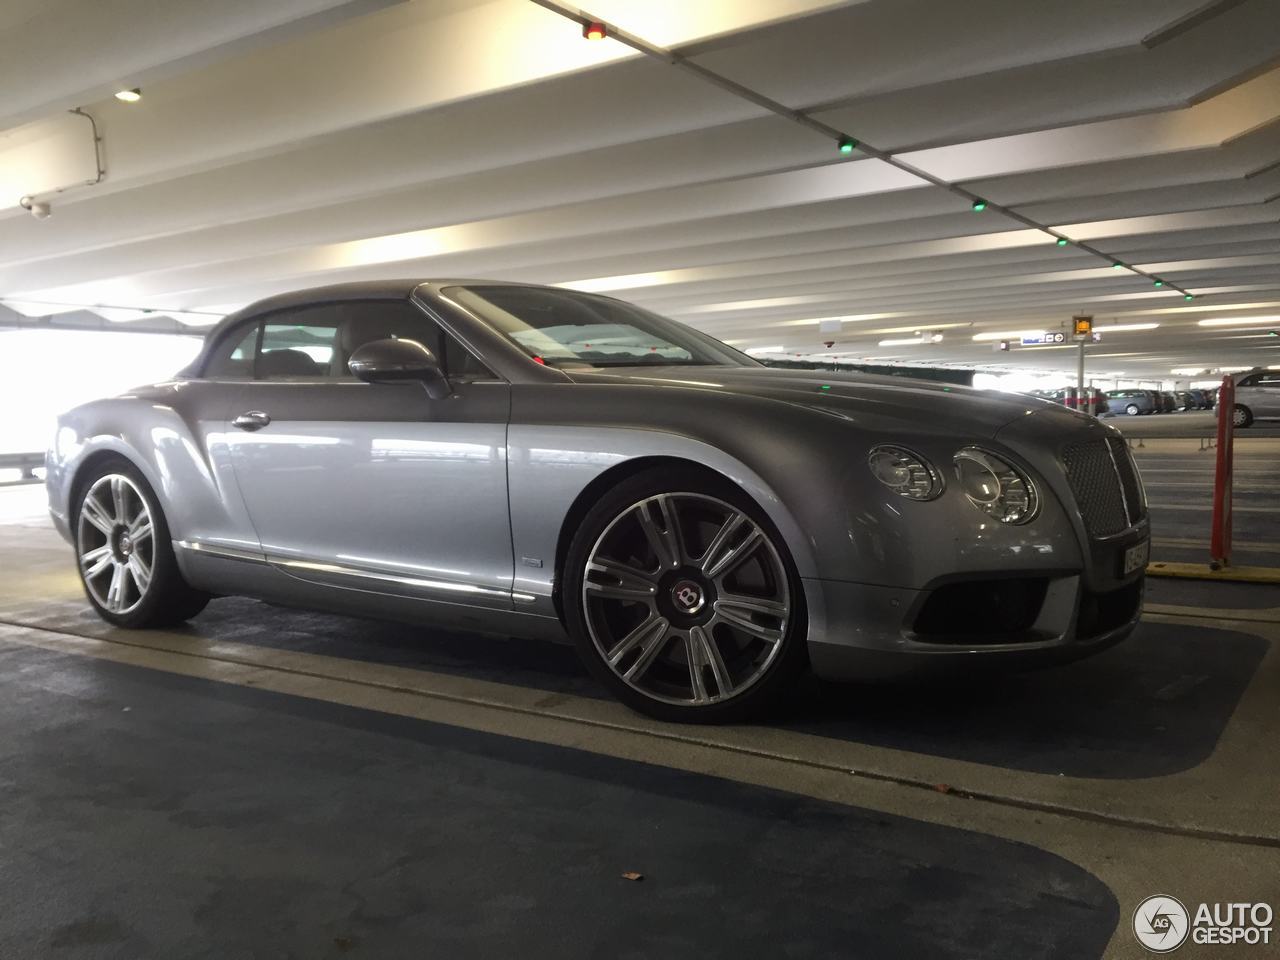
(766, 692)
(168, 599)
(1241, 416)
(1132, 410)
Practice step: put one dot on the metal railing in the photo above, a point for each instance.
(26, 463)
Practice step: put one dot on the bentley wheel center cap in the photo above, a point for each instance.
(687, 596)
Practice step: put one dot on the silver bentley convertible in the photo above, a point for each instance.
(540, 462)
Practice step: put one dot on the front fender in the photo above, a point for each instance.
(173, 435)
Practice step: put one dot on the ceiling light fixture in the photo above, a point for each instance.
(904, 342)
(1007, 335)
(847, 145)
(592, 30)
(1157, 283)
(979, 206)
(1063, 241)
(129, 96)
(1240, 321)
(1119, 327)
(1188, 296)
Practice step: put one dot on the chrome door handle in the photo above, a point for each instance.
(251, 420)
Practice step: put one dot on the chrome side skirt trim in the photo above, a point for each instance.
(336, 572)
(220, 551)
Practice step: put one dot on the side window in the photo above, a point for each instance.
(298, 344)
(364, 322)
(1271, 380)
(1253, 381)
(233, 358)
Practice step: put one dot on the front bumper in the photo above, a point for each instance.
(861, 631)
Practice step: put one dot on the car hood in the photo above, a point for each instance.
(856, 396)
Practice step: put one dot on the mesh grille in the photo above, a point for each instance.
(1096, 486)
(1129, 481)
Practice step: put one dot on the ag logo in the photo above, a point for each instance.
(1161, 923)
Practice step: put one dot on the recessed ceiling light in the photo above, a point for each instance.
(594, 31)
(129, 96)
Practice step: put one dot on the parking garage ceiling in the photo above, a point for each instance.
(689, 162)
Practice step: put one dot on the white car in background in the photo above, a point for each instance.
(1257, 397)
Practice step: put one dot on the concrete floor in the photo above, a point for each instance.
(270, 783)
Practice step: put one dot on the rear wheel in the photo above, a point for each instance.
(124, 554)
(683, 600)
(1132, 410)
(1241, 416)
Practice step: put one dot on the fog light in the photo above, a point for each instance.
(905, 473)
(994, 486)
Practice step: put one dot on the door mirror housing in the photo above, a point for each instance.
(399, 361)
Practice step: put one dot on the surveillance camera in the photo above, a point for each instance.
(36, 208)
(828, 344)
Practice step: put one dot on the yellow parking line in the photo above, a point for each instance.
(1202, 571)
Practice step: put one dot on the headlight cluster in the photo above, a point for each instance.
(905, 473)
(990, 483)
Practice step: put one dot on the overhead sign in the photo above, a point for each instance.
(1044, 338)
(1083, 327)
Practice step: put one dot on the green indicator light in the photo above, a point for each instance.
(979, 206)
(847, 144)
(1117, 266)
(1187, 296)
(1062, 241)
(826, 386)
(1157, 283)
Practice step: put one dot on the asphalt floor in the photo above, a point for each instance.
(275, 783)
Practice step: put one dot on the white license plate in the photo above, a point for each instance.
(1136, 557)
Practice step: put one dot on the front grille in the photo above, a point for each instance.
(1130, 485)
(1105, 485)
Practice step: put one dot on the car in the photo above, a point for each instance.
(1131, 402)
(1072, 399)
(1200, 400)
(1168, 402)
(1185, 400)
(539, 462)
(1257, 396)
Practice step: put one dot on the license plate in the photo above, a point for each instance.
(1135, 558)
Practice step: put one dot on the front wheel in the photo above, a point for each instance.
(1241, 416)
(1132, 410)
(124, 554)
(683, 600)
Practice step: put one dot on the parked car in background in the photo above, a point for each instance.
(1185, 400)
(1131, 402)
(1257, 397)
(1201, 399)
(1168, 402)
(1074, 401)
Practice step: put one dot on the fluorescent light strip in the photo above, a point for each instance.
(1243, 322)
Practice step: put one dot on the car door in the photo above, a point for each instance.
(374, 486)
(1261, 394)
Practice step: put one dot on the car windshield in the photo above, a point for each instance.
(568, 328)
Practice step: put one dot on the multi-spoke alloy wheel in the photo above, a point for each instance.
(116, 542)
(686, 599)
(124, 552)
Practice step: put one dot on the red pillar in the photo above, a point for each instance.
(1220, 537)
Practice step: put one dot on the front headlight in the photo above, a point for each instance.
(905, 473)
(996, 487)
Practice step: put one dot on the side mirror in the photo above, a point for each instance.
(398, 361)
